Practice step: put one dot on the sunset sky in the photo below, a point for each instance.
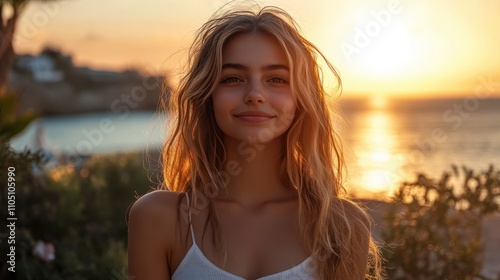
(401, 48)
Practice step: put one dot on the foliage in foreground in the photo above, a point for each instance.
(81, 212)
(11, 122)
(435, 226)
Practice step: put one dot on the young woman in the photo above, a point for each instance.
(252, 166)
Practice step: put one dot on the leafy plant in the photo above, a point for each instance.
(434, 226)
(82, 212)
(11, 123)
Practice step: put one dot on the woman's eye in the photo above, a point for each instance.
(278, 80)
(232, 79)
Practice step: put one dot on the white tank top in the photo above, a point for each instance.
(196, 266)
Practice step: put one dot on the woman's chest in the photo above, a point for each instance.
(257, 244)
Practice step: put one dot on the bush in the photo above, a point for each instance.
(434, 227)
(83, 213)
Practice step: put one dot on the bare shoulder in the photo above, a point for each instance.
(156, 203)
(151, 234)
(158, 210)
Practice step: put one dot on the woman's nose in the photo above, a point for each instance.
(255, 93)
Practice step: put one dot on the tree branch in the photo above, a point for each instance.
(7, 33)
(1, 17)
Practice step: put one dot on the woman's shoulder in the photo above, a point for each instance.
(156, 204)
(156, 210)
(151, 234)
(157, 199)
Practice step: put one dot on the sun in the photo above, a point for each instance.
(394, 52)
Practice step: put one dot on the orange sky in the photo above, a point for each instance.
(389, 47)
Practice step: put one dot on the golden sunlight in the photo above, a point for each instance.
(394, 53)
(379, 101)
(376, 180)
(375, 149)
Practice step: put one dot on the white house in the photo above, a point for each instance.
(42, 68)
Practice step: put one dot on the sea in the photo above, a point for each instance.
(385, 141)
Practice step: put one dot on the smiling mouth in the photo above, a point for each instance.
(254, 116)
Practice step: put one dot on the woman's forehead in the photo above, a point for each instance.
(254, 48)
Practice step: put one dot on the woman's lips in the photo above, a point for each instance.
(254, 116)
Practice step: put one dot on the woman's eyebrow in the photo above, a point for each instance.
(275, 67)
(235, 66)
(268, 67)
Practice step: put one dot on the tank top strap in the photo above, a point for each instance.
(190, 221)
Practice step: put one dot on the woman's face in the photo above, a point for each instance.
(253, 101)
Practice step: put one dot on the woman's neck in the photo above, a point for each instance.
(253, 174)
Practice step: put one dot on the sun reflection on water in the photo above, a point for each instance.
(375, 144)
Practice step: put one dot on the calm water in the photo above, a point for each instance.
(389, 141)
(386, 141)
(93, 133)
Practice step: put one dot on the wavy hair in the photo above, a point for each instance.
(332, 226)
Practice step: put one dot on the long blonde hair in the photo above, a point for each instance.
(194, 154)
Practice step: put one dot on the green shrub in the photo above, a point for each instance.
(83, 213)
(434, 227)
